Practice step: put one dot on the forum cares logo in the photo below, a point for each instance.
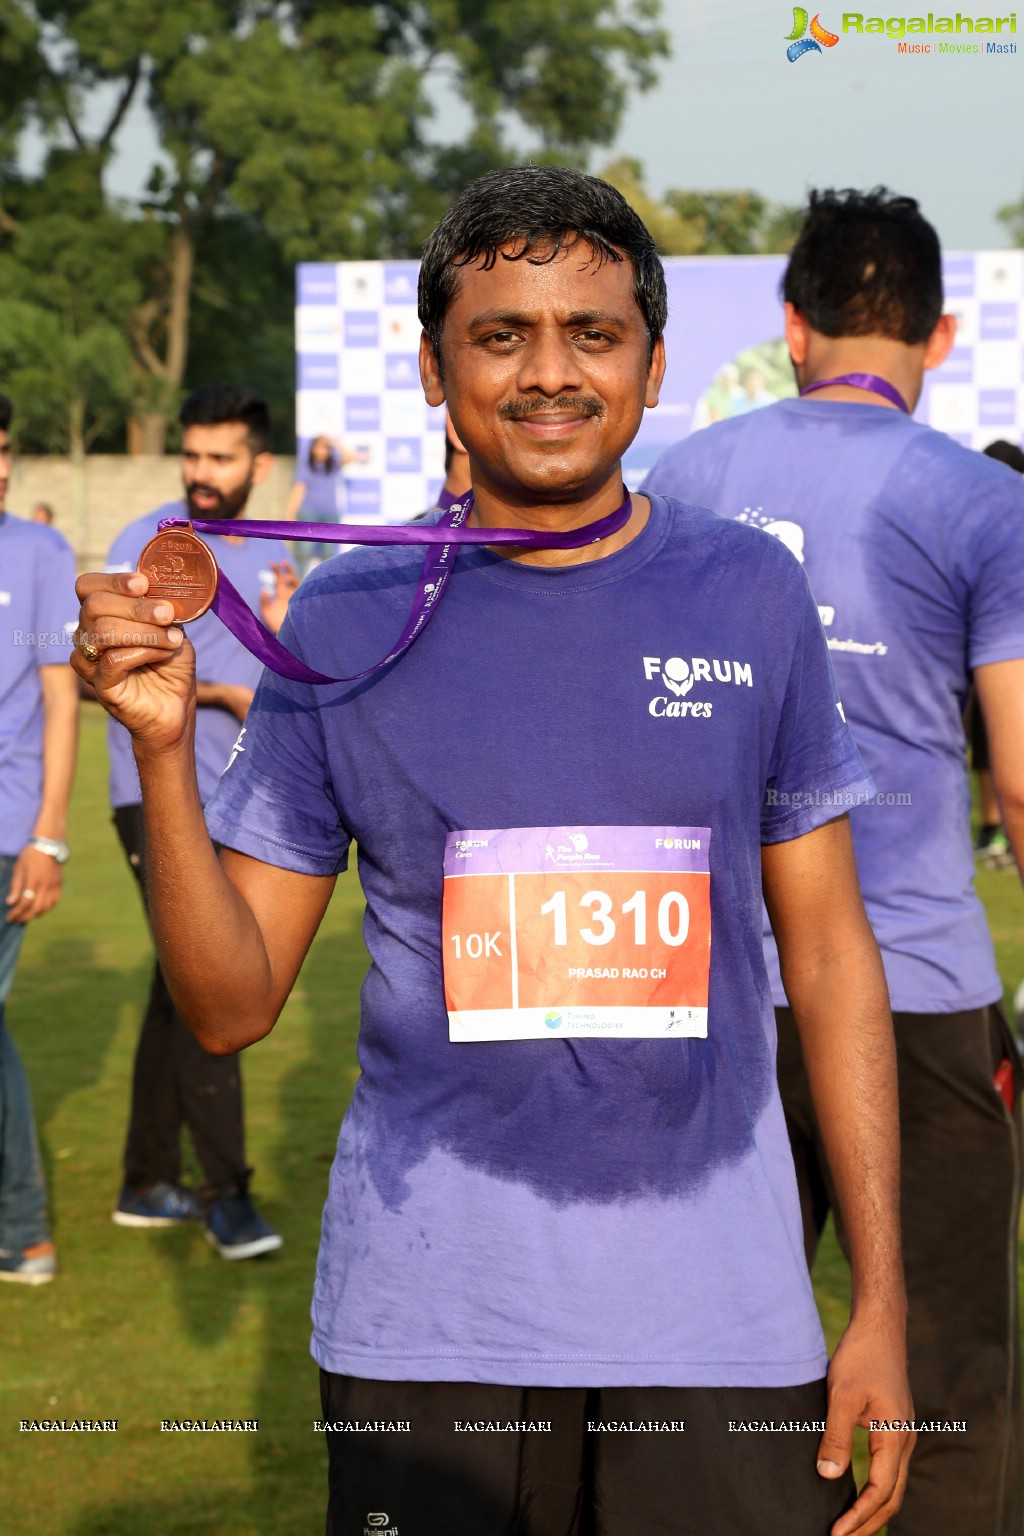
(799, 44)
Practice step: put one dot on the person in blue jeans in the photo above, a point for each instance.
(38, 737)
(28, 1252)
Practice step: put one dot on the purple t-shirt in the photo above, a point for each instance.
(220, 658)
(38, 616)
(324, 497)
(914, 548)
(556, 1211)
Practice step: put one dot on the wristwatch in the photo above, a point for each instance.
(57, 850)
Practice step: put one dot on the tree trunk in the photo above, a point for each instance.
(183, 260)
(76, 447)
(164, 376)
(147, 434)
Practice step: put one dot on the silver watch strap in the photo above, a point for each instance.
(51, 845)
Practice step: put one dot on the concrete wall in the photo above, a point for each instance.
(92, 508)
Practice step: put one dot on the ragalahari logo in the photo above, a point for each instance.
(799, 44)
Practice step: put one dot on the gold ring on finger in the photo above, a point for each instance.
(88, 650)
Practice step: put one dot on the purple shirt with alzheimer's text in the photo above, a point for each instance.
(556, 1211)
(914, 549)
(220, 658)
(38, 616)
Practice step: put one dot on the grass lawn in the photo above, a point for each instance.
(148, 1326)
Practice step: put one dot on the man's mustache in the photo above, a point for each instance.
(202, 490)
(575, 405)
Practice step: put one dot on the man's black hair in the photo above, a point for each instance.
(213, 404)
(1006, 453)
(6, 412)
(866, 264)
(544, 209)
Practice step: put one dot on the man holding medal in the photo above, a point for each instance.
(562, 1237)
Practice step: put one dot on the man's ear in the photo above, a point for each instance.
(798, 335)
(430, 372)
(452, 435)
(940, 343)
(262, 464)
(656, 374)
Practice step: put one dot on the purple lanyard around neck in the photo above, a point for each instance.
(234, 612)
(870, 381)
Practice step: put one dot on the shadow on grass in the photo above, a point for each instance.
(64, 1034)
(272, 1483)
(312, 1099)
(221, 1338)
(147, 1517)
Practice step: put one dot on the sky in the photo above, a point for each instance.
(731, 111)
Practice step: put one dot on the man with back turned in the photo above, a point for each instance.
(914, 549)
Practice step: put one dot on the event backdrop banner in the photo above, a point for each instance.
(357, 337)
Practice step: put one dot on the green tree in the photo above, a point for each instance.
(243, 308)
(736, 223)
(69, 385)
(1012, 216)
(313, 120)
(739, 223)
(71, 277)
(20, 72)
(673, 234)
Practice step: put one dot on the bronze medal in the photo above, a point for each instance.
(182, 571)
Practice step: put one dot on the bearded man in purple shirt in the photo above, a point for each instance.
(225, 452)
(560, 1274)
(38, 741)
(914, 548)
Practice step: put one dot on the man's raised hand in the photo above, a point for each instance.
(274, 605)
(136, 657)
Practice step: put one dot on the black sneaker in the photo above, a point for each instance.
(161, 1205)
(236, 1229)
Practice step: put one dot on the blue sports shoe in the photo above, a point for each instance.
(33, 1266)
(161, 1205)
(236, 1229)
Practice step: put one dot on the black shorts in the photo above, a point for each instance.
(410, 1458)
(977, 734)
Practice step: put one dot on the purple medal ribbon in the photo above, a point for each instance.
(871, 381)
(233, 611)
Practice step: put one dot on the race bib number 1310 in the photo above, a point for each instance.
(551, 932)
